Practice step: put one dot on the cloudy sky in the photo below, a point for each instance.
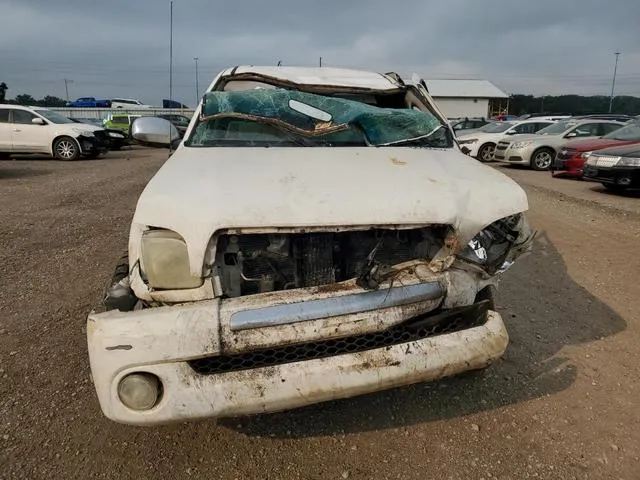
(121, 47)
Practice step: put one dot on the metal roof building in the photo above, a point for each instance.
(467, 98)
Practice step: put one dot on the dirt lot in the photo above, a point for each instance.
(562, 404)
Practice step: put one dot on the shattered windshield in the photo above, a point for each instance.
(279, 117)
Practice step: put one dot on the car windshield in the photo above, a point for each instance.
(279, 117)
(628, 132)
(496, 127)
(53, 117)
(557, 128)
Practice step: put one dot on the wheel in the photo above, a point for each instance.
(614, 188)
(542, 158)
(66, 148)
(485, 154)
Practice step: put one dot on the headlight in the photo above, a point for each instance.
(492, 248)
(467, 141)
(585, 155)
(521, 144)
(165, 261)
(628, 162)
(84, 133)
(116, 135)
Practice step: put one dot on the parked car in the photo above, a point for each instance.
(128, 103)
(120, 122)
(617, 168)
(289, 288)
(569, 161)
(117, 138)
(482, 143)
(39, 130)
(181, 122)
(539, 150)
(89, 102)
(545, 115)
(462, 124)
(605, 116)
(503, 117)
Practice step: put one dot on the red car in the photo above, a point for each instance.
(570, 159)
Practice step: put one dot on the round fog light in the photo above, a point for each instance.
(139, 391)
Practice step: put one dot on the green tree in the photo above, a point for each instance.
(51, 101)
(25, 99)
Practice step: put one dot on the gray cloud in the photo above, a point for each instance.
(121, 48)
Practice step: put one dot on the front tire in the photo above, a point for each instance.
(542, 158)
(66, 148)
(485, 154)
(614, 188)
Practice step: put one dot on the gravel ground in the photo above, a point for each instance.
(561, 404)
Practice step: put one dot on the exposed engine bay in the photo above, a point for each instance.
(257, 263)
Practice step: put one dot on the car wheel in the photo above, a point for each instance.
(485, 154)
(66, 148)
(614, 188)
(541, 159)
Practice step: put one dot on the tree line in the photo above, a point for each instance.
(573, 104)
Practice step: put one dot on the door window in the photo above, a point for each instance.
(22, 117)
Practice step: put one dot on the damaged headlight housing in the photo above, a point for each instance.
(165, 261)
(628, 162)
(493, 248)
(84, 133)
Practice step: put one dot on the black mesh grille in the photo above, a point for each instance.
(422, 327)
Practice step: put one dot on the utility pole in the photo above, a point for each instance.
(613, 83)
(66, 87)
(197, 86)
(171, 52)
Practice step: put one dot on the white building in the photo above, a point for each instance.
(468, 98)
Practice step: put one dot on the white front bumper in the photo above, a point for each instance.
(166, 334)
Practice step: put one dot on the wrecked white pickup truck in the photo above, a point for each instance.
(316, 235)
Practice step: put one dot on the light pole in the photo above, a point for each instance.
(171, 51)
(613, 83)
(197, 86)
(66, 87)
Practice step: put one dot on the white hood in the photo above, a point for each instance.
(201, 190)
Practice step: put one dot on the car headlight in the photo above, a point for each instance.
(165, 261)
(521, 144)
(628, 162)
(494, 248)
(84, 133)
(116, 135)
(467, 141)
(585, 155)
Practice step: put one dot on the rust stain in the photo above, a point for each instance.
(397, 161)
(334, 287)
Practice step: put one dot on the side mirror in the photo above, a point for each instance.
(571, 135)
(37, 121)
(510, 132)
(155, 132)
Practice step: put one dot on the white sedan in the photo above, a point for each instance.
(481, 143)
(39, 130)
